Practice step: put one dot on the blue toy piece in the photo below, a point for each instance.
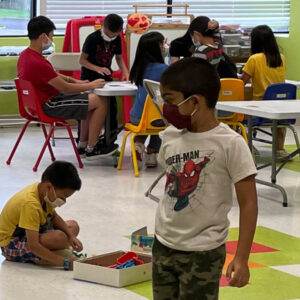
(127, 264)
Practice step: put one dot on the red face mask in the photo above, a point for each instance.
(173, 116)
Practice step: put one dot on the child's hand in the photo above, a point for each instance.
(75, 243)
(103, 71)
(213, 24)
(125, 76)
(98, 83)
(241, 273)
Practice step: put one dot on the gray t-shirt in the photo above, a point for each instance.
(201, 170)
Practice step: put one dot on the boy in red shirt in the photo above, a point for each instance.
(61, 96)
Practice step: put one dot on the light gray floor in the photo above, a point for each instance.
(110, 205)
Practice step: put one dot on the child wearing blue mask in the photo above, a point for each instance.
(203, 160)
(30, 227)
(207, 40)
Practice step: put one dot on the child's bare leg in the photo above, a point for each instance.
(57, 239)
(97, 114)
(280, 138)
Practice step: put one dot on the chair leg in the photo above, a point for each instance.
(119, 167)
(53, 138)
(292, 128)
(134, 160)
(74, 145)
(44, 148)
(244, 134)
(17, 143)
(49, 146)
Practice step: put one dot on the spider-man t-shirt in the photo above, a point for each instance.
(201, 169)
(100, 53)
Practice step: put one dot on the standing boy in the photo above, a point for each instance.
(30, 227)
(97, 53)
(203, 158)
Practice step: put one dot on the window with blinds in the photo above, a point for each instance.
(61, 11)
(247, 13)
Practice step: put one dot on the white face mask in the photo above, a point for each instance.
(47, 45)
(107, 38)
(165, 51)
(56, 203)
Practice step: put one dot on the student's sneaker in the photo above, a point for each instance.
(81, 152)
(151, 161)
(281, 154)
(139, 151)
(98, 152)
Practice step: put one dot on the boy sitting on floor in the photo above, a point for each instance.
(31, 229)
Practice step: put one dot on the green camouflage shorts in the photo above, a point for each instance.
(181, 275)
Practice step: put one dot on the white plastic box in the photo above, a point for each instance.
(231, 39)
(245, 51)
(88, 270)
(232, 50)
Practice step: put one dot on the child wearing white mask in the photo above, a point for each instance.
(96, 58)
(30, 227)
(148, 64)
(99, 49)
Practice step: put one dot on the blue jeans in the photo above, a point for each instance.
(154, 142)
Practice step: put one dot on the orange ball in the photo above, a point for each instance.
(138, 23)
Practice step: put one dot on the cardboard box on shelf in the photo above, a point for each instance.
(141, 241)
(96, 269)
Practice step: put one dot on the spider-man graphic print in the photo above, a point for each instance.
(180, 184)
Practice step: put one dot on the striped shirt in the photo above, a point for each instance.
(213, 54)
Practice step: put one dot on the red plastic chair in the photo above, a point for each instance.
(30, 109)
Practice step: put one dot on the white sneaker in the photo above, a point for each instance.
(280, 154)
(139, 151)
(151, 161)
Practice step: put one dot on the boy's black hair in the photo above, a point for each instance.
(113, 23)
(63, 175)
(193, 76)
(38, 25)
(148, 51)
(200, 24)
(263, 41)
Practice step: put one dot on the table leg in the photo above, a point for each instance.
(250, 132)
(107, 123)
(274, 147)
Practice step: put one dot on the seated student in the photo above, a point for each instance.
(61, 96)
(207, 40)
(181, 47)
(148, 64)
(184, 47)
(31, 229)
(98, 51)
(265, 66)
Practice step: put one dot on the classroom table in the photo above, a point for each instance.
(274, 110)
(114, 88)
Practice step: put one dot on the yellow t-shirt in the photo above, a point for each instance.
(262, 75)
(23, 209)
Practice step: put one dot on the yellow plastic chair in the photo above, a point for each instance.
(145, 127)
(233, 90)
